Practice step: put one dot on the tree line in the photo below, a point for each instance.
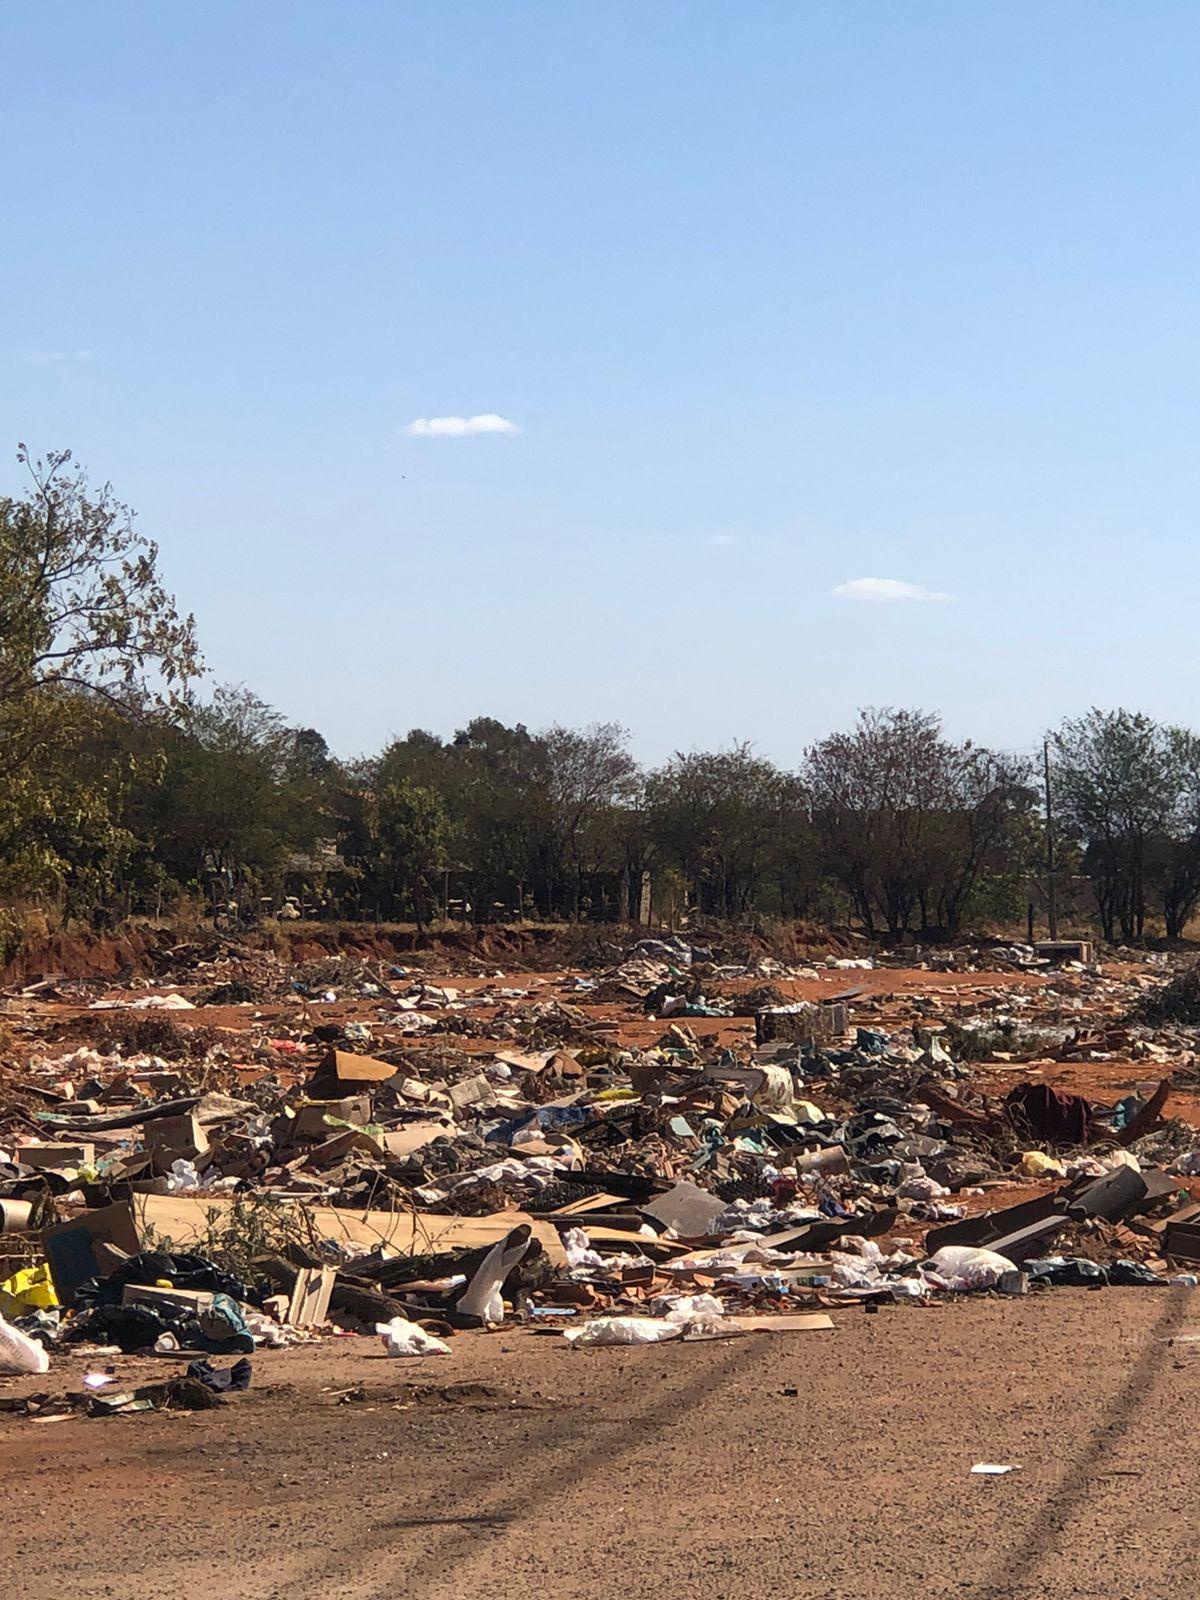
(127, 787)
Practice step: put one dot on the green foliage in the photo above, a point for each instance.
(909, 820)
(1127, 793)
(88, 637)
(731, 823)
(413, 830)
(120, 789)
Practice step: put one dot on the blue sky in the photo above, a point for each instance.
(778, 297)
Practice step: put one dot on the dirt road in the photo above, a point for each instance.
(806, 1465)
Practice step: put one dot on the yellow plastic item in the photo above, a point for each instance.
(31, 1289)
(617, 1094)
(1037, 1164)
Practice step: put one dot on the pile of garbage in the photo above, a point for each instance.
(464, 1157)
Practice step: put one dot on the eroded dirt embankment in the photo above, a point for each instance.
(147, 949)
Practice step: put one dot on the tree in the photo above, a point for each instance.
(504, 825)
(89, 639)
(227, 802)
(420, 756)
(63, 832)
(590, 774)
(909, 820)
(1119, 784)
(721, 817)
(1175, 857)
(309, 757)
(413, 828)
(82, 608)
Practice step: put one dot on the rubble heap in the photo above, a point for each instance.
(245, 1155)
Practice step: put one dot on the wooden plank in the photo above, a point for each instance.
(627, 1239)
(788, 1322)
(591, 1202)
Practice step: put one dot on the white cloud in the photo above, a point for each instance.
(459, 427)
(722, 538)
(886, 591)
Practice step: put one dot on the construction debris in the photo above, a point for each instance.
(628, 1156)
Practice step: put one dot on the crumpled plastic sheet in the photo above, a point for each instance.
(403, 1338)
(694, 1316)
(960, 1267)
(19, 1353)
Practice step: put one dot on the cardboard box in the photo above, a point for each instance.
(802, 1023)
(312, 1118)
(72, 1247)
(339, 1067)
(1060, 950)
(56, 1157)
(176, 1138)
(1181, 1237)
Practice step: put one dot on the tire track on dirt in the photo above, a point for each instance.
(557, 1465)
(1012, 1575)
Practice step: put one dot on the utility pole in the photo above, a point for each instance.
(1051, 886)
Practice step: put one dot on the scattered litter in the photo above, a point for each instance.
(686, 1141)
(403, 1338)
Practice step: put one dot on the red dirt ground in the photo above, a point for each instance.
(808, 1465)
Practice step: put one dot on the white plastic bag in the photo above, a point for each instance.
(689, 1308)
(916, 1184)
(961, 1267)
(402, 1338)
(624, 1330)
(700, 1315)
(777, 1092)
(482, 1297)
(183, 1177)
(19, 1353)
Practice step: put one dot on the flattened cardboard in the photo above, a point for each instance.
(184, 1219)
(153, 1294)
(413, 1136)
(789, 1322)
(525, 1061)
(687, 1210)
(341, 1143)
(476, 1091)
